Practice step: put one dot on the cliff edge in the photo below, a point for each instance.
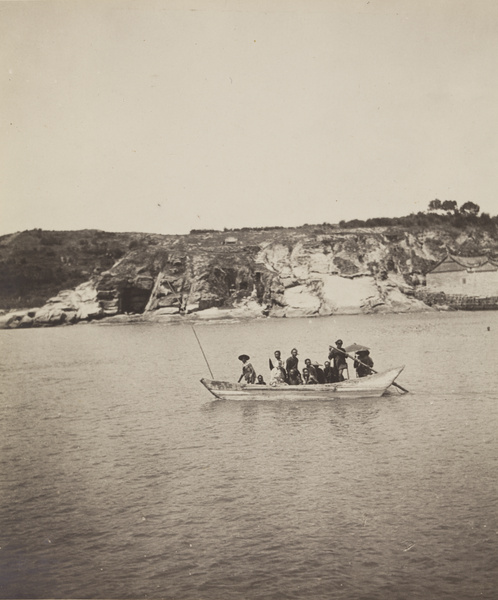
(306, 271)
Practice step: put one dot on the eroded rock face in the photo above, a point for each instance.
(336, 277)
(69, 306)
(17, 319)
(286, 275)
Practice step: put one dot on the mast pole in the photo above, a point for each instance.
(200, 346)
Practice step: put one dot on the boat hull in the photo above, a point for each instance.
(372, 386)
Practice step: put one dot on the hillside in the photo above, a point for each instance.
(309, 270)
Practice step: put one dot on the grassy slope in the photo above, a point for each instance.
(35, 265)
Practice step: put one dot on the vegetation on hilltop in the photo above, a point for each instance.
(456, 219)
(36, 264)
(444, 214)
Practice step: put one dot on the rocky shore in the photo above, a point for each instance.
(308, 271)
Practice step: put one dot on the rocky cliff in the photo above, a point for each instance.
(307, 271)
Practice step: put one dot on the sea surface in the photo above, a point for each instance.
(122, 477)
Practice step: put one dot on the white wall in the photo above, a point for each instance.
(461, 282)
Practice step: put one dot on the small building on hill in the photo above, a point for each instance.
(230, 241)
(464, 275)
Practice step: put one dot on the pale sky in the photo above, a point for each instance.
(169, 115)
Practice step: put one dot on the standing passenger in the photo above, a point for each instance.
(339, 357)
(292, 362)
(248, 372)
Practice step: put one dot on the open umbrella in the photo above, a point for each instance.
(355, 348)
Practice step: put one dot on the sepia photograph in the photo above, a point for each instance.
(248, 299)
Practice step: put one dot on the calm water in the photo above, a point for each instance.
(120, 477)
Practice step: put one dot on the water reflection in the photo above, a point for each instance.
(342, 415)
(360, 412)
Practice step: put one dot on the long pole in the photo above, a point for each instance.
(212, 376)
(373, 370)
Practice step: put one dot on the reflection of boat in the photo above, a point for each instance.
(363, 387)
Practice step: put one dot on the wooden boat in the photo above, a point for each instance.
(372, 386)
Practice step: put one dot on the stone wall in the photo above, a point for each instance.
(457, 301)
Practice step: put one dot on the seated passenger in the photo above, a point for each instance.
(261, 381)
(277, 376)
(328, 372)
(311, 369)
(278, 356)
(308, 377)
(320, 377)
(363, 363)
(295, 377)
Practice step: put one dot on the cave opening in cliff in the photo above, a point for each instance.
(134, 300)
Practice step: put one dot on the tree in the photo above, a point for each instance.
(450, 206)
(435, 204)
(469, 208)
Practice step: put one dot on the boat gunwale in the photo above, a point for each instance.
(375, 384)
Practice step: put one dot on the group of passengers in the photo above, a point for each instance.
(312, 372)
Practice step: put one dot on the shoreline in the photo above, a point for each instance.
(27, 318)
(19, 319)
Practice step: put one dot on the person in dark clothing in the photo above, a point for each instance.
(328, 372)
(292, 362)
(295, 377)
(261, 381)
(308, 377)
(362, 370)
(248, 372)
(311, 369)
(338, 356)
(320, 376)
